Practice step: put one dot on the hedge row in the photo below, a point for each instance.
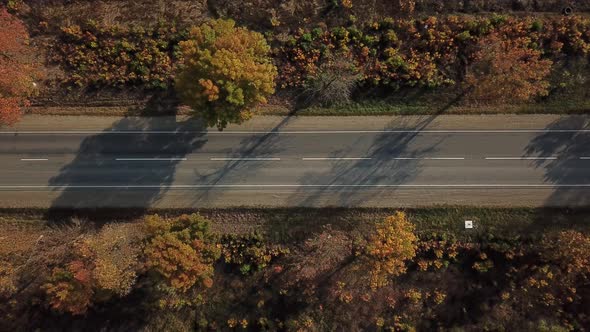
(429, 52)
(96, 55)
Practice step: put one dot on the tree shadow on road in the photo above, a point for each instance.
(380, 169)
(257, 145)
(96, 164)
(567, 169)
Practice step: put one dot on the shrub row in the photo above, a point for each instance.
(113, 56)
(394, 53)
(430, 52)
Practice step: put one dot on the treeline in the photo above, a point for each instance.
(387, 54)
(174, 273)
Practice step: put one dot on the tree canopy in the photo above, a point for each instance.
(392, 243)
(17, 69)
(507, 70)
(225, 71)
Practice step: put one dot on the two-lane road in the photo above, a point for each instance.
(295, 168)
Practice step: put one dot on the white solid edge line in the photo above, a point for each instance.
(298, 186)
(429, 158)
(521, 158)
(228, 132)
(584, 158)
(34, 159)
(245, 159)
(335, 158)
(149, 159)
(397, 158)
(443, 158)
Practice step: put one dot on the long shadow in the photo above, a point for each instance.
(114, 160)
(380, 169)
(263, 145)
(567, 169)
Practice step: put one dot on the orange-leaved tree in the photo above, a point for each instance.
(17, 68)
(389, 247)
(506, 70)
(225, 71)
(69, 289)
(180, 252)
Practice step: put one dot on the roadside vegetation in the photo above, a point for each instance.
(297, 269)
(294, 269)
(354, 59)
(17, 68)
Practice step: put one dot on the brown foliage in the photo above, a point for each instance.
(571, 250)
(507, 70)
(322, 253)
(105, 262)
(115, 253)
(7, 279)
(334, 81)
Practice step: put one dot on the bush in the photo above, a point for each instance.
(249, 252)
(7, 279)
(334, 81)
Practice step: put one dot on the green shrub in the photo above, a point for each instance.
(249, 253)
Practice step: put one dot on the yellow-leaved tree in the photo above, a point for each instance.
(389, 247)
(225, 71)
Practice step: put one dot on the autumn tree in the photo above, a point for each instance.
(103, 265)
(17, 70)
(226, 70)
(69, 288)
(334, 81)
(570, 251)
(180, 252)
(506, 70)
(389, 247)
(115, 253)
(557, 284)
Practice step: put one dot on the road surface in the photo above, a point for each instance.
(283, 167)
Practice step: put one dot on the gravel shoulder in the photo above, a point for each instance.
(268, 123)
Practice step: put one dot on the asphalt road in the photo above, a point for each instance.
(295, 168)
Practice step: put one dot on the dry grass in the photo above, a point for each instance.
(286, 224)
(19, 234)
